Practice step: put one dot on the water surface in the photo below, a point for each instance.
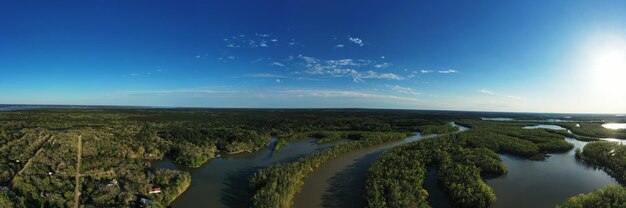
(223, 182)
(545, 126)
(547, 183)
(614, 126)
(340, 182)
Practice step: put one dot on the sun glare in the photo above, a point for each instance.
(608, 68)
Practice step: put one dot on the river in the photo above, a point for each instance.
(547, 183)
(341, 182)
(223, 181)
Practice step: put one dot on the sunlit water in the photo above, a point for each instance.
(545, 126)
(614, 126)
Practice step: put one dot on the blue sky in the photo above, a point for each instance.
(539, 56)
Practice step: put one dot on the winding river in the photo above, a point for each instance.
(341, 182)
(223, 181)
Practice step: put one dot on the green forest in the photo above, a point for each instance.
(102, 157)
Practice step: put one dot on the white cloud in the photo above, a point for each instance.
(251, 41)
(383, 65)
(357, 41)
(275, 63)
(339, 46)
(231, 45)
(405, 90)
(484, 91)
(448, 71)
(423, 71)
(344, 68)
(376, 75)
(278, 81)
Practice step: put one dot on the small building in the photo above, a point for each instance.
(155, 190)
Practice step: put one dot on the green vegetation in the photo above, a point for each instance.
(38, 148)
(608, 197)
(594, 129)
(276, 186)
(610, 155)
(512, 138)
(39, 152)
(462, 161)
(459, 173)
(437, 129)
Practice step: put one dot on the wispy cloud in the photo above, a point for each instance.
(424, 71)
(448, 71)
(484, 91)
(339, 46)
(283, 93)
(383, 65)
(276, 63)
(344, 68)
(356, 41)
(258, 40)
(405, 90)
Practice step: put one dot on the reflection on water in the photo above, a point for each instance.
(223, 182)
(437, 198)
(614, 126)
(545, 126)
(547, 183)
(341, 182)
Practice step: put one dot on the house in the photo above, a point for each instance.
(155, 190)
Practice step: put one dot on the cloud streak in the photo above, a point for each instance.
(404, 90)
(357, 41)
(344, 68)
(448, 71)
(484, 91)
